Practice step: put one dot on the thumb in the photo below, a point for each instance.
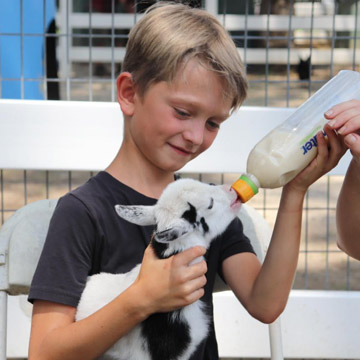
(353, 142)
(149, 253)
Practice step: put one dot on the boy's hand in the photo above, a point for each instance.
(329, 153)
(168, 284)
(345, 119)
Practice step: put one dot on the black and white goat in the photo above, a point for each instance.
(187, 214)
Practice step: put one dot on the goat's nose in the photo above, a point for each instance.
(227, 188)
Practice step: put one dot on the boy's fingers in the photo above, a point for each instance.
(335, 141)
(195, 295)
(330, 152)
(337, 145)
(195, 284)
(322, 146)
(197, 270)
(187, 256)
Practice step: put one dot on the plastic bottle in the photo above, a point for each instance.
(291, 146)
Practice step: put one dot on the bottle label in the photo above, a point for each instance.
(310, 141)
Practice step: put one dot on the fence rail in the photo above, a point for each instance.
(298, 29)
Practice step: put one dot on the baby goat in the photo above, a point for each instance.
(187, 214)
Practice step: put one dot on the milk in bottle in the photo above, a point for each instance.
(291, 146)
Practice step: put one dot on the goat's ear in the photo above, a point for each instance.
(173, 232)
(137, 214)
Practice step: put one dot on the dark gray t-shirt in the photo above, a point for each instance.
(86, 237)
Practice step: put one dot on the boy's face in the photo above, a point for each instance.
(172, 123)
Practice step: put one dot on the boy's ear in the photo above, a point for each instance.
(126, 93)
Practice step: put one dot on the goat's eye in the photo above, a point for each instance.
(211, 203)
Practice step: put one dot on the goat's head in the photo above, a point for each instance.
(186, 207)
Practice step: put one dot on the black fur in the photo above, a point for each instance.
(166, 338)
(190, 215)
(160, 249)
(204, 225)
(167, 235)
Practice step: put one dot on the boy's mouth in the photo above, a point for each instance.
(182, 151)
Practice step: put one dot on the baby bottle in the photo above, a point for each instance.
(290, 147)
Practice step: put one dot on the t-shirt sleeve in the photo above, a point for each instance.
(66, 259)
(233, 241)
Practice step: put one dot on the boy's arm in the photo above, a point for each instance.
(55, 335)
(264, 290)
(162, 285)
(345, 118)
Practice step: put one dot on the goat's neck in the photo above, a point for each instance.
(165, 250)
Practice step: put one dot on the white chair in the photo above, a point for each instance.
(21, 242)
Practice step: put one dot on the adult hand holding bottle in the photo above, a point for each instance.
(345, 119)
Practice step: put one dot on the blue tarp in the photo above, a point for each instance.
(23, 57)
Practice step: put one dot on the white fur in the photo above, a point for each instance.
(218, 205)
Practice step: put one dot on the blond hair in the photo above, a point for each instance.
(169, 34)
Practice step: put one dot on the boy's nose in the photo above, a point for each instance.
(194, 133)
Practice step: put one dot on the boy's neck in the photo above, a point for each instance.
(139, 176)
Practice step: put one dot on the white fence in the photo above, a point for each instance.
(35, 135)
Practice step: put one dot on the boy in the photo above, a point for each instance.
(345, 119)
(181, 78)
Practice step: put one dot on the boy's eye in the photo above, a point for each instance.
(212, 125)
(181, 113)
